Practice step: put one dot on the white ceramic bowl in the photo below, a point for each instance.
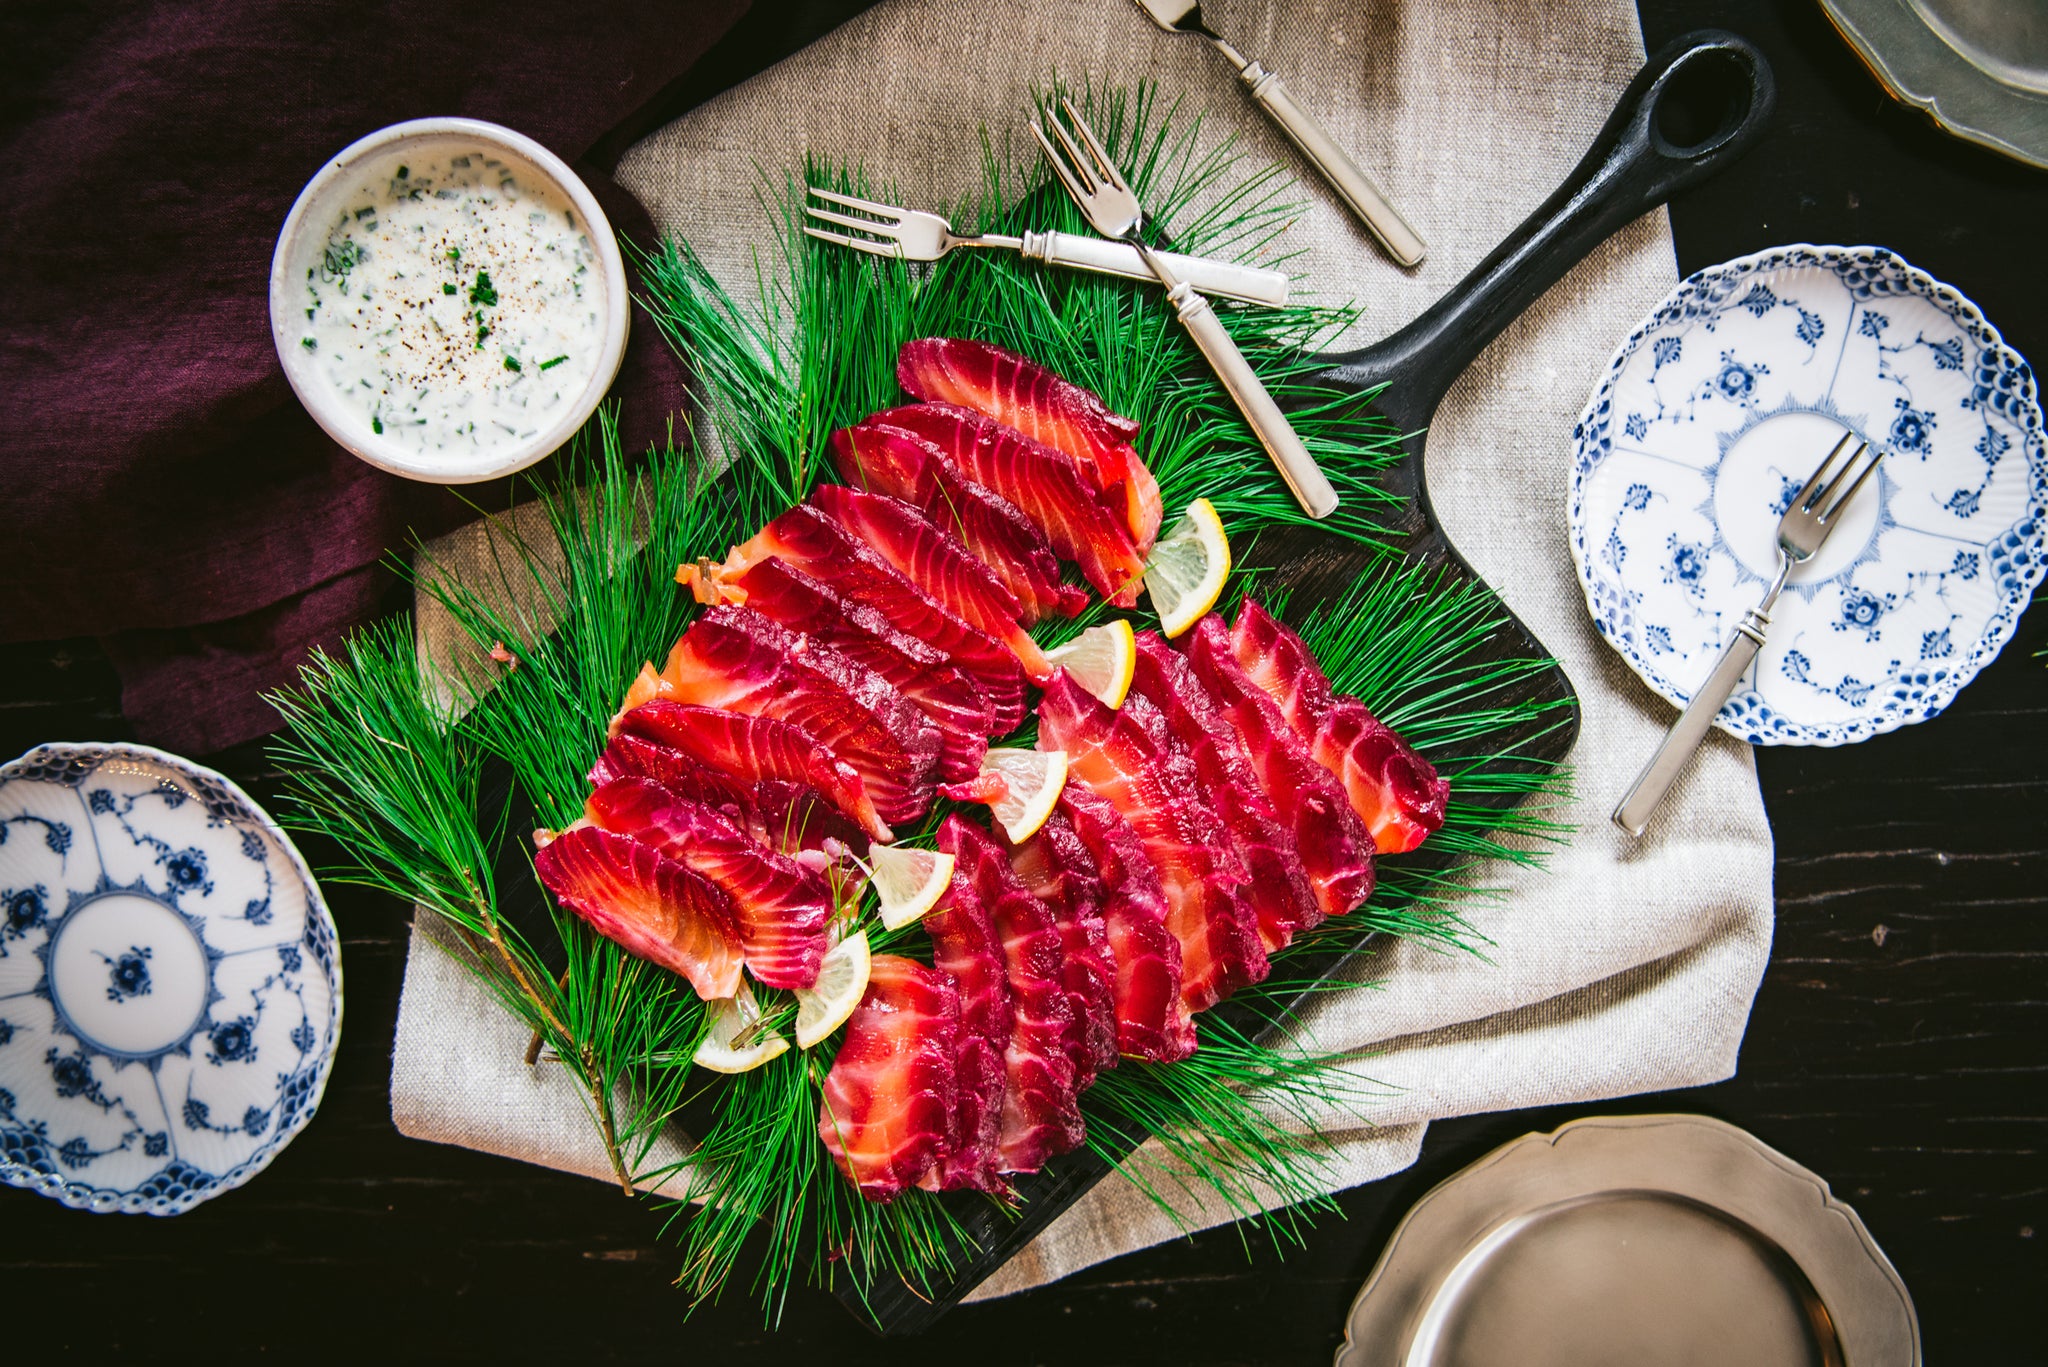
(304, 237)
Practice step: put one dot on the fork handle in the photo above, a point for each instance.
(1366, 199)
(1105, 257)
(1633, 815)
(1312, 488)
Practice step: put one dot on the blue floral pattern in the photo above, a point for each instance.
(1704, 427)
(168, 857)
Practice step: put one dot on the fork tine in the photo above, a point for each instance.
(859, 244)
(1804, 500)
(1835, 481)
(1057, 162)
(866, 225)
(1077, 160)
(1104, 166)
(864, 205)
(1850, 492)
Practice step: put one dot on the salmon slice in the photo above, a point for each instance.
(1041, 1113)
(1335, 847)
(1279, 892)
(780, 908)
(784, 816)
(1059, 871)
(1129, 757)
(1020, 393)
(965, 944)
(1394, 790)
(1397, 793)
(890, 460)
(810, 541)
(752, 749)
(737, 660)
(923, 674)
(936, 562)
(649, 905)
(891, 1092)
(1152, 1021)
(1045, 484)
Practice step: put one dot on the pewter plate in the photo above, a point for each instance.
(1979, 68)
(1669, 1239)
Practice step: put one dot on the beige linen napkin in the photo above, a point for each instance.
(1621, 968)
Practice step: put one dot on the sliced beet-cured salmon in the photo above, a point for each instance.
(1397, 793)
(1060, 872)
(1335, 847)
(1045, 484)
(1152, 1021)
(1020, 393)
(937, 562)
(923, 674)
(780, 908)
(646, 903)
(965, 944)
(1394, 790)
(782, 815)
(1129, 757)
(1041, 1115)
(891, 1092)
(821, 548)
(735, 659)
(752, 749)
(1279, 892)
(892, 460)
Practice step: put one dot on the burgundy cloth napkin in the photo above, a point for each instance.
(164, 489)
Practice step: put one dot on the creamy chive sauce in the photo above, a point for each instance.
(456, 304)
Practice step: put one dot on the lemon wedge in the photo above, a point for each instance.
(1101, 660)
(734, 1018)
(908, 882)
(1187, 567)
(842, 981)
(1032, 780)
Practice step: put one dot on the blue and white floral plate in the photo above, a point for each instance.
(1716, 410)
(170, 987)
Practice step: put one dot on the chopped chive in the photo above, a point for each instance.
(511, 364)
(308, 343)
(481, 333)
(377, 424)
(403, 172)
(550, 365)
(447, 289)
(483, 292)
(455, 253)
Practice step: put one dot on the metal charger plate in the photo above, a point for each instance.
(1633, 1239)
(1979, 68)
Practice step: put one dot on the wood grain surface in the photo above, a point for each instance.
(1899, 1044)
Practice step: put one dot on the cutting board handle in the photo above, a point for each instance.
(1696, 105)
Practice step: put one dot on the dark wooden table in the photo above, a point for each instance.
(1899, 1045)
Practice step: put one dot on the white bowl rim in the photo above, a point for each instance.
(328, 412)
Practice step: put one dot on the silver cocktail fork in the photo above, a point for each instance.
(1805, 527)
(1084, 167)
(911, 234)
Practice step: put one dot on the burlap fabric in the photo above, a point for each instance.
(1621, 967)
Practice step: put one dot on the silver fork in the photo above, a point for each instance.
(914, 235)
(1802, 531)
(1084, 167)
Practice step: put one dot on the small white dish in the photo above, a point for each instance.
(1716, 410)
(302, 243)
(170, 982)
